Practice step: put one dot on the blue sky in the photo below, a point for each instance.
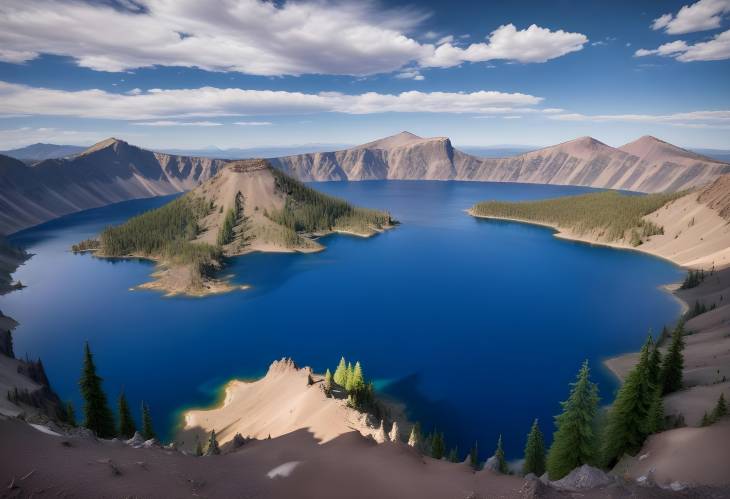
(243, 73)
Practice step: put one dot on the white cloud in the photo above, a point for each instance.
(699, 16)
(534, 44)
(410, 74)
(253, 123)
(253, 37)
(163, 123)
(715, 49)
(692, 119)
(158, 104)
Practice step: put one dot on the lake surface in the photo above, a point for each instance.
(478, 326)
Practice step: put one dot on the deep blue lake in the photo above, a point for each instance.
(478, 326)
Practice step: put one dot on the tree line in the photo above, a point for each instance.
(614, 216)
(584, 433)
(306, 210)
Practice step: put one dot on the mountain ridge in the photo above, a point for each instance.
(113, 170)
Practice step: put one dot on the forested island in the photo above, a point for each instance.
(248, 206)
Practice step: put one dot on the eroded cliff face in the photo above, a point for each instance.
(646, 165)
(108, 172)
(113, 171)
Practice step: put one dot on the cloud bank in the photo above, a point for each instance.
(700, 16)
(206, 102)
(253, 37)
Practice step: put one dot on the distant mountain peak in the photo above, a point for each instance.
(110, 142)
(397, 140)
(651, 148)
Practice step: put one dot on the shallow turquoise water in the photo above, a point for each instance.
(478, 326)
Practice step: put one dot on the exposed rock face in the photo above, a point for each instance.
(647, 165)
(108, 172)
(585, 477)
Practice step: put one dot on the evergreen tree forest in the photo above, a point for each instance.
(617, 216)
(309, 211)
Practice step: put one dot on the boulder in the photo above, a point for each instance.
(585, 477)
(152, 442)
(136, 441)
(238, 441)
(492, 464)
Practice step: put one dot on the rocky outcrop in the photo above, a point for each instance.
(583, 478)
(108, 172)
(646, 165)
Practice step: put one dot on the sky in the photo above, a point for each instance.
(245, 73)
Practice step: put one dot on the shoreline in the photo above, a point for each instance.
(217, 285)
(561, 233)
(616, 363)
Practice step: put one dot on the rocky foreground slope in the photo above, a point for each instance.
(646, 165)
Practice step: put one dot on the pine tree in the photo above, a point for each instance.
(574, 442)
(394, 434)
(340, 376)
(70, 413)
(534, 452)
(198, 447)
(437, 445)
(414, 439)
(454, 455)
(655, 418)
(628, 422)
(97, 415)
(328, 383)
(349, 377)
(655, 363)
(674, 362)
(126, 422)
(213, 448)
(474, 456)
(148, 431)
(499, 454)
(706, 420)
(720, 409)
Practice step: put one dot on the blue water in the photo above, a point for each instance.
(478, 326)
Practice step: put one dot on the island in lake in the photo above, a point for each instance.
(247, 206)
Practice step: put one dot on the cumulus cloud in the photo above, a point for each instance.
(534, 44)
(699, 16)
(206, 102)
(715, 49)
(693, 119)
(252, 36)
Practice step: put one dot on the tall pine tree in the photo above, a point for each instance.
(148, 431)
(574, 442)
(97, 415)
(126, 422)
(629, 421)
(499, 454)
(340, 376)
(437, 445)
(534, 452)
(474, 456)
(655, 363)
(674, 362)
